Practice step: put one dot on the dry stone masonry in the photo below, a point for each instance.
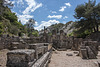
(37, 55)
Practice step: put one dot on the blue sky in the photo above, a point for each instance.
(46, 12)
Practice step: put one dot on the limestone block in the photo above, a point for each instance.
(83, 53)
(20, 58)
(93, 45)
(91, 54)
(39, 49)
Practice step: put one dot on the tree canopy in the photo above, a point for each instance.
(30, 26)
(88, 15)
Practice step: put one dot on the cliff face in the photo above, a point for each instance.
(69, 28)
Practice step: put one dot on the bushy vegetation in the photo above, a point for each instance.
(9, 23)
(35, 33)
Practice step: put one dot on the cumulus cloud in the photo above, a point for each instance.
(24, 18)
(62, 8)
(65, 17)
(46, 24)
(68, 4)
(55, 16)
(25, 15)
(32, 6)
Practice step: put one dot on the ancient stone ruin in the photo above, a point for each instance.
(37, 51)
(88, 47)
(89, 50)
(37, 55)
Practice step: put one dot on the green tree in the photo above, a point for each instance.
(30, 26)
(35, 33)
(88, 15)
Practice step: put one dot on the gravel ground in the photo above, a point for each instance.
(60, 59)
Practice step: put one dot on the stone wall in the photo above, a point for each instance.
(12, 42)
(40, 49)
(31, 40)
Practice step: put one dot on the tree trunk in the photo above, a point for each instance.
(96, 24)
(97, 27)
(94, 29)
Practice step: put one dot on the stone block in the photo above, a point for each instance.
(45, 49)
(39, 49)
(43, 61)
(83, 53)
(91, 54)
(20, 58)
(93, 45)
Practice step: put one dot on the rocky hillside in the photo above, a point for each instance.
(67, 28)
(9, 23)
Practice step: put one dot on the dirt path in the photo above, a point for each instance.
(60, 59)
(3, 57)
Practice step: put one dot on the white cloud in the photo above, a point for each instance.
(24, 18)
(62, 8)
(13, 2)
(46, 24)
(53, 11)
(55, 16)
(32, 6)
(68, 4)
(39, 5)
(65, 17)
(36, 24)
